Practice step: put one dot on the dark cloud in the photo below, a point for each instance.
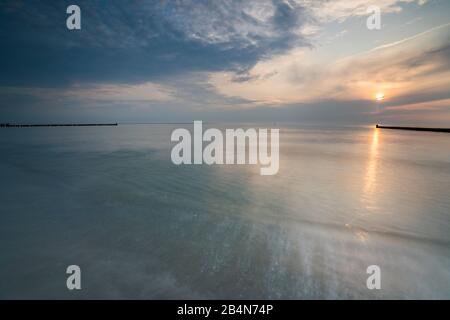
(132, 41)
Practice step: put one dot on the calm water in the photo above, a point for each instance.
(110, 200)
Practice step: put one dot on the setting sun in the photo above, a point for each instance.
(379, 96)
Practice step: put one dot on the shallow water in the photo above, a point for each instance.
(110, 200)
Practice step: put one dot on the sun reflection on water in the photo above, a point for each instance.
(368, 189)
(370, 178)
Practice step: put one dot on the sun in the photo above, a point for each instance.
(379, 96)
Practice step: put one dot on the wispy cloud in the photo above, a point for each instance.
(87, 94)
(419, 64)
(340, 10)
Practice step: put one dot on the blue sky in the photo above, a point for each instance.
(171, 61)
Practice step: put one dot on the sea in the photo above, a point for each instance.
(110, 200)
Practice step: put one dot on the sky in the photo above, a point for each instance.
(300, 61)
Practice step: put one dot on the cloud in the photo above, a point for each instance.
(434, 113)
(100, 92)
(413, 66)
(129, 41)
(138, 41)
(212, 60)
(145, 92)
(84, 103)
(340, 10)
(438, 105)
